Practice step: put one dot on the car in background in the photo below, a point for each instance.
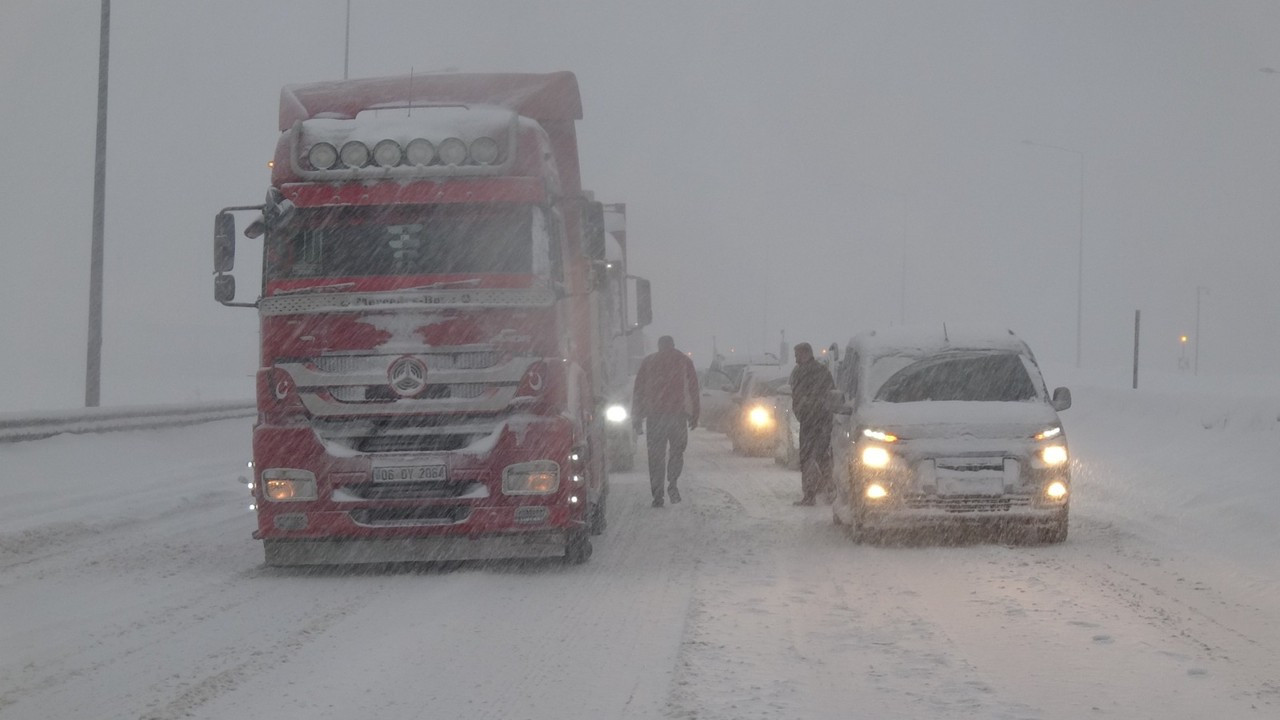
(716, 391)
(946, 427)
(754, 426)
(786, 445)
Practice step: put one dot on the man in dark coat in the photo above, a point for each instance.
(666, 399)
(811, 387)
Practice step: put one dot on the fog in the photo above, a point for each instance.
(814, 167)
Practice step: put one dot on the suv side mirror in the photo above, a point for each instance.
(224, 242)
(1061, 399)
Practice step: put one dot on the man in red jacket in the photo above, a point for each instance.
(666, 398)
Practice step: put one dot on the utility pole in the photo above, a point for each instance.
(1200, 289)
(93, 364)
(346, 43)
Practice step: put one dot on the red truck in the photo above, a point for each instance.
(430, 383)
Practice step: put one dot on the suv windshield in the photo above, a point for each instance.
(408, 240)
(985, 377)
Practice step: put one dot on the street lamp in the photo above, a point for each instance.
(1080, 249)
(1200, 290)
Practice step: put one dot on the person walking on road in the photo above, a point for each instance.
(665, 398)
(811, 387)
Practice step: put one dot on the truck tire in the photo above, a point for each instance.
(577, 549)
(596, 520)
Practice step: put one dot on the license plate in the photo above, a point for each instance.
(410, 473)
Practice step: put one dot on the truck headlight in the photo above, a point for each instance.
(1056, 490)
(288, 485)
(875, 456)
(540, 477)
(1054, 455)
(616, 413)
(876, 491)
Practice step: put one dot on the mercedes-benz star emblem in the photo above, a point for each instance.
(407, 376)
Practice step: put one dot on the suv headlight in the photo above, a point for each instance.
(874, 456)
(1054, 455)
(540, 477)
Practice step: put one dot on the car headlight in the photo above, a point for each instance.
(615, 413)
(1052, 432)
(1054, 455)
(288, 485)
(875, 456)
(880, 435)
(540, 477)
(760, 417)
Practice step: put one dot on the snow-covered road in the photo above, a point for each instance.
(130, 588)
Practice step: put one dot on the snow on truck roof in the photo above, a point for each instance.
(550, 96)
(931, 339)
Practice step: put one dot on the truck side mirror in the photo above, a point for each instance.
(224, 242)
(593, 231)
(224, 288)
(644, 303)
(1061, 398)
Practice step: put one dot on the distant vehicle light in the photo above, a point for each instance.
(615, 414)
(419, 152)
(760, 417)
(452, 151)
(387, 153)
(875, 457)
(1054, 455)
(484, 151)
(355, 154)
(322, 156)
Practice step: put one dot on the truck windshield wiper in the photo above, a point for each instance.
(317, 288)
(447, 283)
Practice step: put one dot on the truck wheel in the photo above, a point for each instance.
(578, 548)
(596, 521)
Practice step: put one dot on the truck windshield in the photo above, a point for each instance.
(986, 377)
(409, 240)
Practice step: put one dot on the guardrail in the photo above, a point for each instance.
(33, 426)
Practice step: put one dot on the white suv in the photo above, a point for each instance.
(945, 428)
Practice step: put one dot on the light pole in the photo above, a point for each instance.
(1080, 248)
(1200, 290)
(93, 363)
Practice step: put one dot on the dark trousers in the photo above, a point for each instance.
(815, 458)
(666, 436)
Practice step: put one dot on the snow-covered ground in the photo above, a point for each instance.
(130, 588)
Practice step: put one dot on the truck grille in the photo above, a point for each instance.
(462, 360)
(413, 443)
(410, 517)
(430, 490)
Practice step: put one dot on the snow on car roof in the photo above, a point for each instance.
(937, 338)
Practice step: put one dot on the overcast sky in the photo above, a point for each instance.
(782, 164)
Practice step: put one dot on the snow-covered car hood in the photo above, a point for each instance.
(959, 419)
